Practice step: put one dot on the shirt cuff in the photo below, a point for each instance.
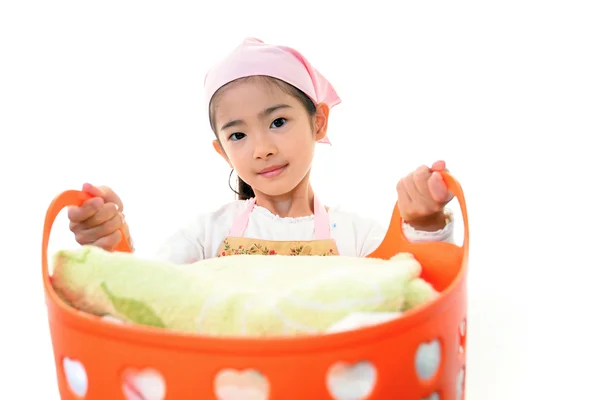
(445, 234)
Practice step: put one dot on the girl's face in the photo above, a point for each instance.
(267, 135)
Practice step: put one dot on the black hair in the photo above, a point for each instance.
(245, 191)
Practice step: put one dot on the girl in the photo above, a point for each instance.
(268, 107)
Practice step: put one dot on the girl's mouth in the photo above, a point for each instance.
(273, 171)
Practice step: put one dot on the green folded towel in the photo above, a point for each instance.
(242, 295)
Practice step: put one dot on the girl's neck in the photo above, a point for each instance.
(297, 203)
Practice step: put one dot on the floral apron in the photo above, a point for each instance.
(322, 245)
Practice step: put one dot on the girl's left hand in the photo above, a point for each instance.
(422, 196)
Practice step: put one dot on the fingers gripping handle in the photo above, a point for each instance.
(66, 199)
(391, 243)
(455, 188)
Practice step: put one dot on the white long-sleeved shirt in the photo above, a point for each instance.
(354, 235)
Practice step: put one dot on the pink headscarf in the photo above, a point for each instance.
(254, 57)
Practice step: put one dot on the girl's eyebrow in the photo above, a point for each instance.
(272, 109)
(262, 114)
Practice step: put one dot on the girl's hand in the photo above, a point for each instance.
(422, 196)
(98, 220)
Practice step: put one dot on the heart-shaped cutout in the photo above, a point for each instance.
(460, 384)
(249, 384)
(76, 376)
(145, 384)
(351, 381)
(427, 359)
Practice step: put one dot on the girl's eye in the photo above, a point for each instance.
(237, 136)
(278, 123)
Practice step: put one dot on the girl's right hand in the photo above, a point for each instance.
(98, 220)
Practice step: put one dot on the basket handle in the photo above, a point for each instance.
(66, 199)
(393, 241)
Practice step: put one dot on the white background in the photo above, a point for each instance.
(508, 93)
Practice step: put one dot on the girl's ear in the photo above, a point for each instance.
(219, 149)
(321, 120)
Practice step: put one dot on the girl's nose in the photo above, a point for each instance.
(264, 147)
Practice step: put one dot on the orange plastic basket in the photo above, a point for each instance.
(105, 354)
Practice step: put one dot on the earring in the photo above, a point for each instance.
(232, 189)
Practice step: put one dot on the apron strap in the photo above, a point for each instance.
(321, 221)
(240, 223)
